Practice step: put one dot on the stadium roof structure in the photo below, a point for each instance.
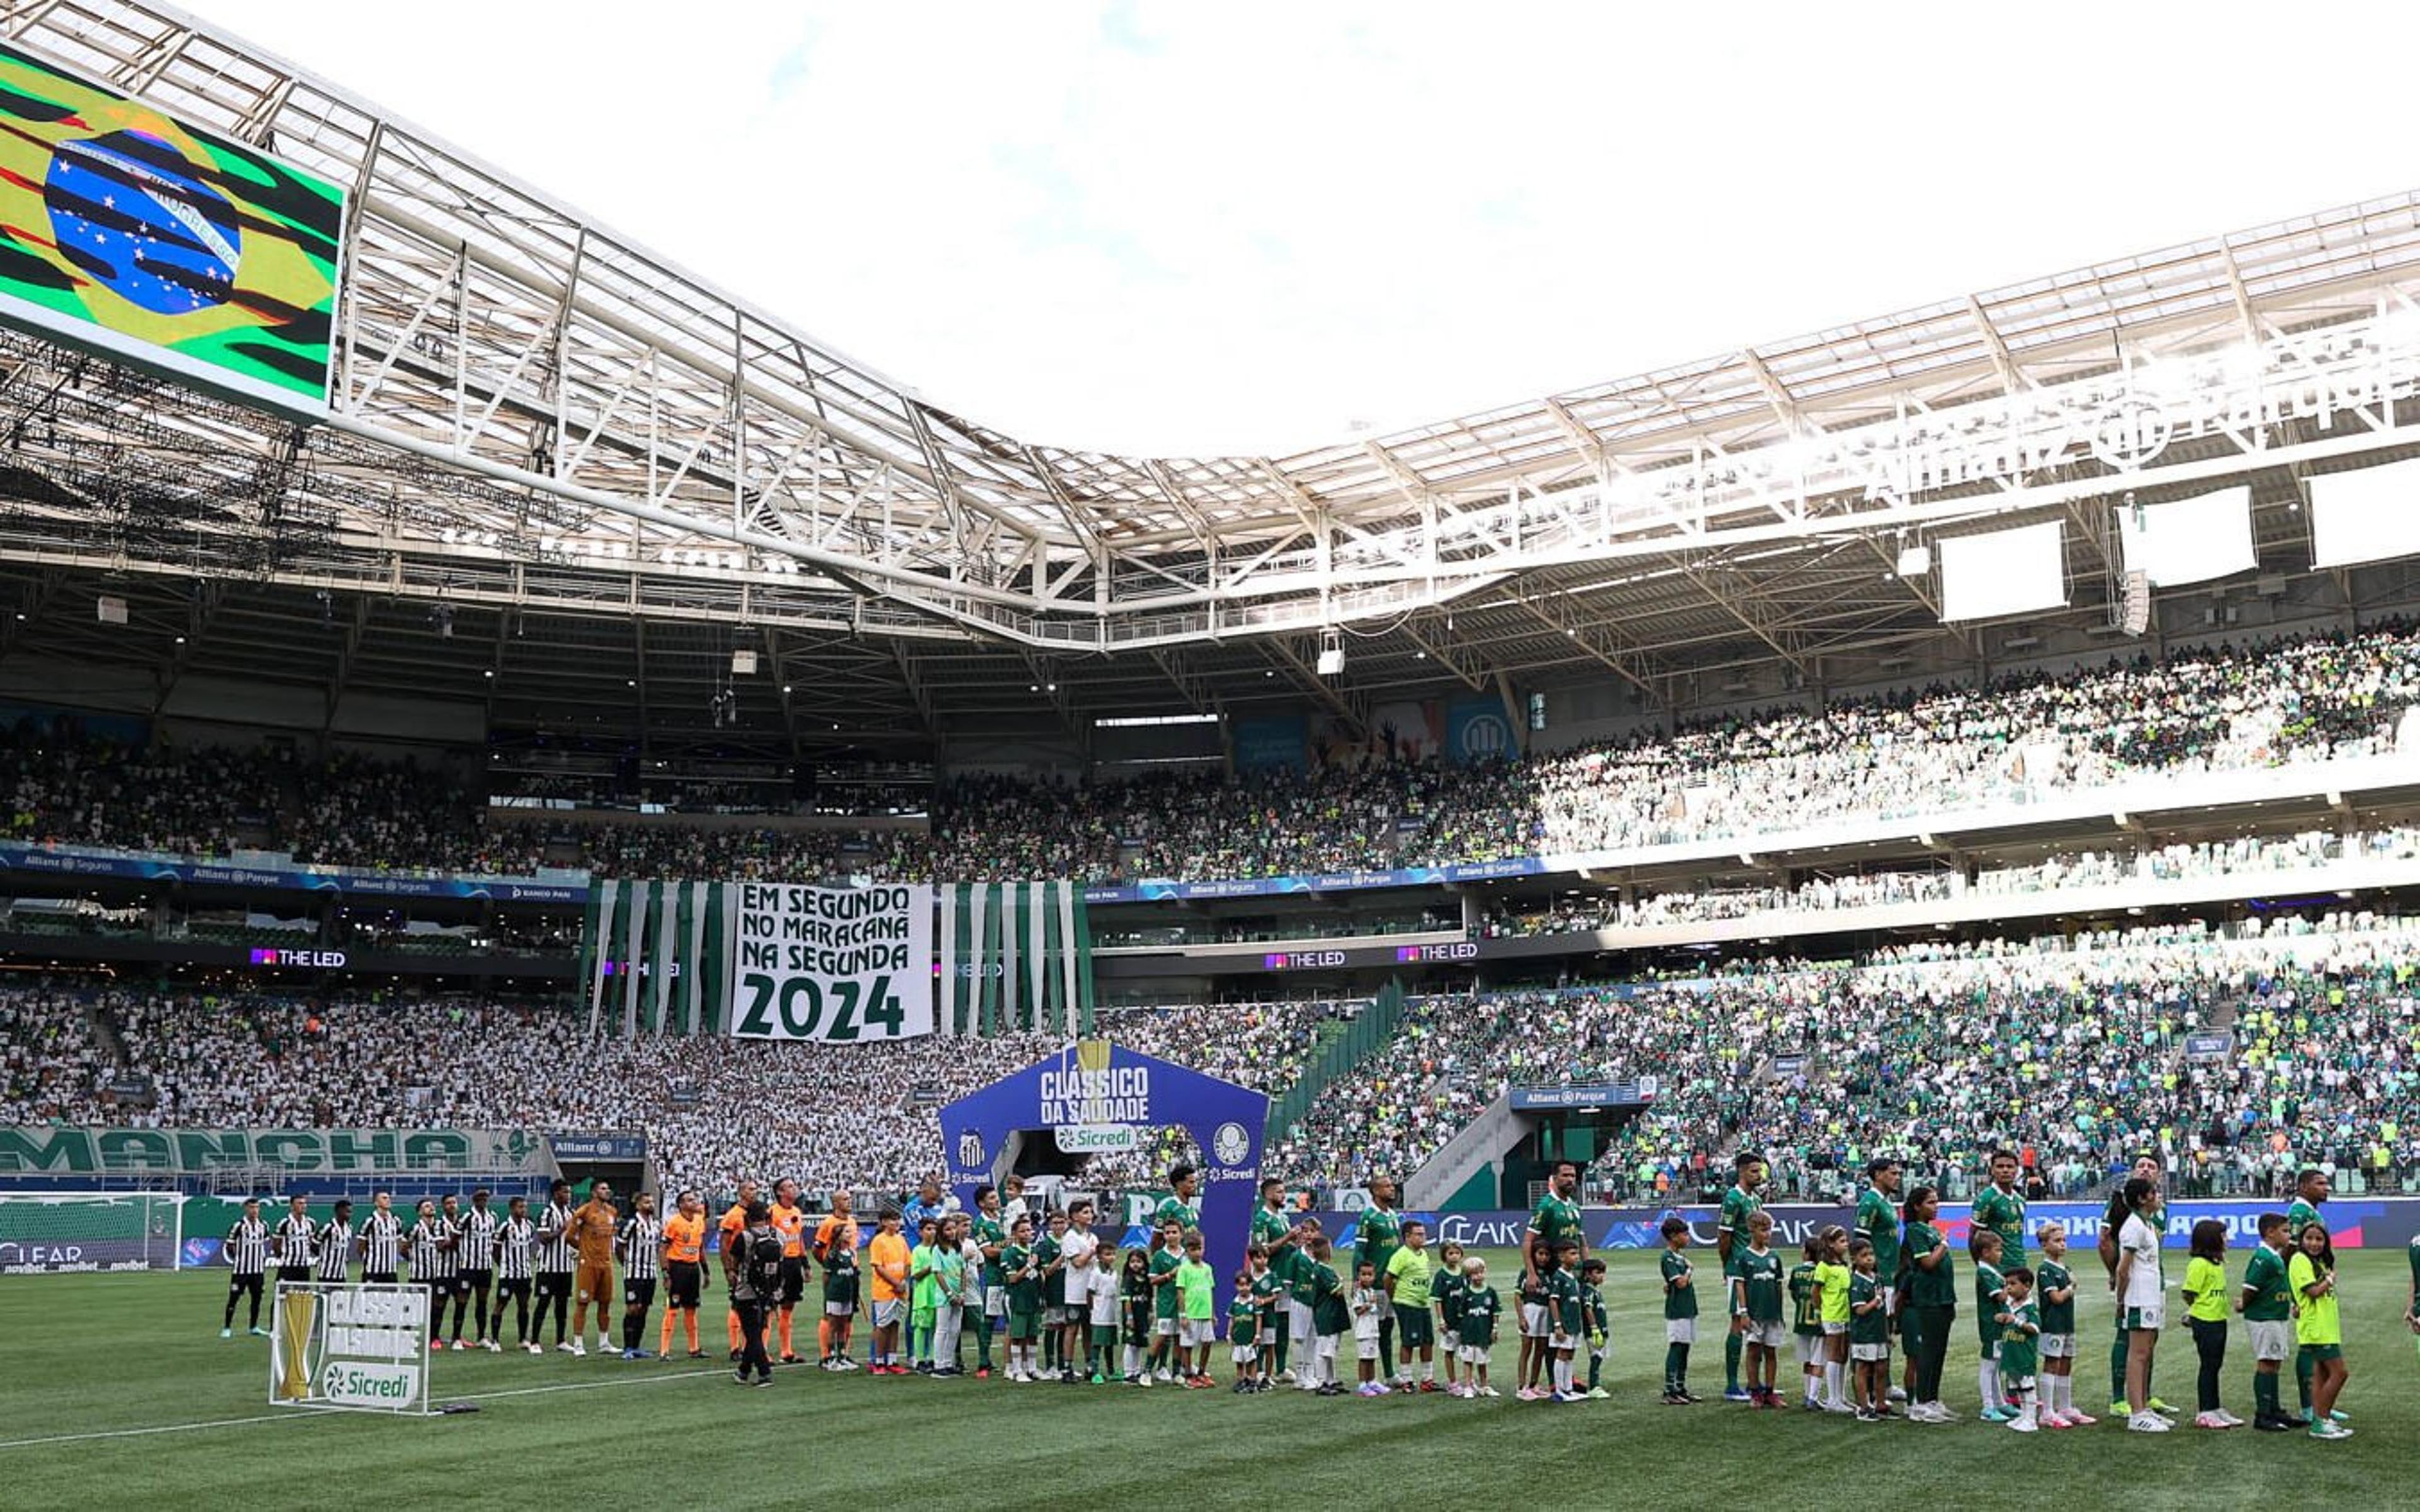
(561, 474)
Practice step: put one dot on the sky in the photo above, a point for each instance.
(1256, 228)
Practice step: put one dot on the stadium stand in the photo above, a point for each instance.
(2017, 737)
(1936, 1054)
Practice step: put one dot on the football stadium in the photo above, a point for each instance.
(595, 890)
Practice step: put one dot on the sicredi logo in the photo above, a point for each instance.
(355, 1384)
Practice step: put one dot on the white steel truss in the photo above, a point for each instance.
(532, 411)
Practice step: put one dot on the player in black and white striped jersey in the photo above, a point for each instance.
(477, 1228)
(295, 1242)
(381, 1240)
(247, 1257)
(336, 1245)
(639, 1248)
(431, 1246)
(516, 1244)
(554, 1264)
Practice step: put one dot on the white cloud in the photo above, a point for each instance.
(1243, 227)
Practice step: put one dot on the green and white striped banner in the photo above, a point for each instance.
(1012, 956)
(655, 956)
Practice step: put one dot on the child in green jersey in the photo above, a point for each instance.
(1756, 1309)
(1477, 1326)
(1596, 1323)
(1244, 1320)
(925, 1296)
(2205, 1292)
(1568, 1323)
(1680, 1312)
(1807, 1325)
(1166, 1313)
(2019, 1327)
(1868, 1334)
(1368, 1303)
(1135, 1306)
(1446, 1295)
(2267, 1303)
(2055, 1289)
(1329, 1315)
(2312, 1275)
(1023, 1279)
(1990, 1301)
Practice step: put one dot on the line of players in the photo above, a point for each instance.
(480, 1262)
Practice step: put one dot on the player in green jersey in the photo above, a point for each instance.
(1756, 1309)
(1877, 1224)
(1179, 1207)
(1376, 1236)
(1731, 1241)
(1276, 1231)
(2310, 1193)
(1680, 1311)
(1557, 1218)
(990, 1233)
(2001, 1208)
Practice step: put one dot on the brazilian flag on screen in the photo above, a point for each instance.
(129, 231)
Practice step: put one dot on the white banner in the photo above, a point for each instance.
(843, 964)
(2189, 540)
(2365, 514)
(2005, 572)
(337, 1345)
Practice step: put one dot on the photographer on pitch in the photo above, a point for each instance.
(751, 1268)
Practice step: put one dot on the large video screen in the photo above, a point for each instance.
(129, 231)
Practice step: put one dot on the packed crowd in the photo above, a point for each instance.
(861, 1116)
(2076, 1054)
(2238, 1053)
(2015, 738)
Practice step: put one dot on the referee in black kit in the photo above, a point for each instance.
(247, 1257)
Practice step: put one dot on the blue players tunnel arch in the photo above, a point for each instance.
(1096, 1083)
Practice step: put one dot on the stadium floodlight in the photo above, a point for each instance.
(743, 663)
(109, 611)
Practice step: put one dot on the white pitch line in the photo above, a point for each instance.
(164, 1428)
(300, 1416)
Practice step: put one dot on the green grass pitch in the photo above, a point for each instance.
(118, 1386)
